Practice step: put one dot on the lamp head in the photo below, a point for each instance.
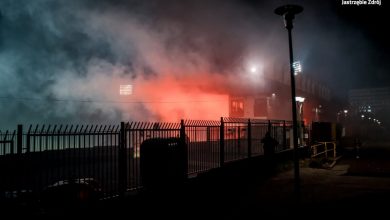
(288, 9)
(288, 12)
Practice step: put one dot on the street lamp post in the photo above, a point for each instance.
(289, 12)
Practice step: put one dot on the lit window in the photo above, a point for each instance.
(126, 89)
(237, 108)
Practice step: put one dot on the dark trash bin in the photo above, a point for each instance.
(163, 163)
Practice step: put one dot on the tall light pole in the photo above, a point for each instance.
(289, 12)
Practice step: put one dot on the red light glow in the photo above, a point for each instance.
(172, 99)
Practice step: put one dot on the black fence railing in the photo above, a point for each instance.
(7, 142)
(43, 156)
(203, 143)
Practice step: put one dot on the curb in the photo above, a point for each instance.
(333, 163)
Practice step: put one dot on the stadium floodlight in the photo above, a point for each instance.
(297, 67)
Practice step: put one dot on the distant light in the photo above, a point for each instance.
(253, 69)
(297, 67)
(362, 116)
(273, 95)
(125, 89)
(345, 111)
(299, 99)
(369, 110)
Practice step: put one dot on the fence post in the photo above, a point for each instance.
(28, 143)
(249, 136)
(19, 141)
(269, 126)
(239, 140)
(12, 146)
(221, 143)
(122, 168)
(184, 144)
(326, 150)
(284, 136)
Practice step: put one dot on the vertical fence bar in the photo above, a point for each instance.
(28, 143)
(221, 143)
(238, 152)
(122, 160)
(284, 136)
(184, 144)
(11, 146)
(19, 139)
(269, 126)
(249, 137)
(19, 166)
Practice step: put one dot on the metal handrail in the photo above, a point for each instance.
(314, 149)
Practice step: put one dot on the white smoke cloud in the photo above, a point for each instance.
(63, 61)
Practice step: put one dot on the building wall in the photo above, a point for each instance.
(371, 99)
(245, 106)
(273, 101)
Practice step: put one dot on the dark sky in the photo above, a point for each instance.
(372, 23)
(54, 55)
(347, 46)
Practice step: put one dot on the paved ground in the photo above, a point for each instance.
(353, 187)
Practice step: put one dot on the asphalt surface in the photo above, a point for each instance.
(357, 185)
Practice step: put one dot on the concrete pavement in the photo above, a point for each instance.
(352, 188)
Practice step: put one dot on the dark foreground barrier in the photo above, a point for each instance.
(163, 163)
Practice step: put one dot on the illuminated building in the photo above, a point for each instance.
(273, 100)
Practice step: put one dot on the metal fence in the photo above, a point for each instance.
(7, 142)
(47, 155)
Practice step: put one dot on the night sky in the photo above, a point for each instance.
(61, 61)
(371, 23)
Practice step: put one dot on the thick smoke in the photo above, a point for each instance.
(63, 61)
